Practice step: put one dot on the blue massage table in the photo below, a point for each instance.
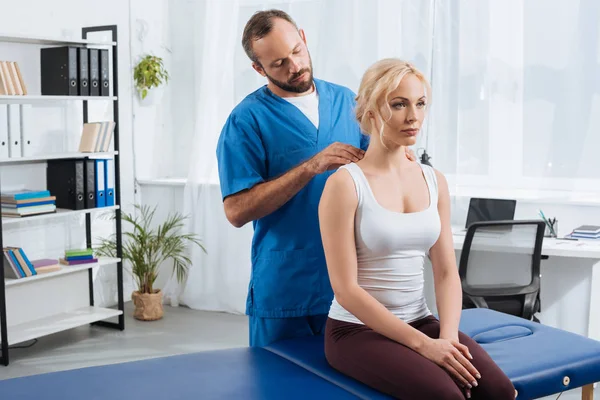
(539, 360)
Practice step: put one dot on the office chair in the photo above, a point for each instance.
(500, 266)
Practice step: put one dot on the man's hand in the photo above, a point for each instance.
(334, 156)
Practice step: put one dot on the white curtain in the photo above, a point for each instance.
(344, 37)
(517, 97)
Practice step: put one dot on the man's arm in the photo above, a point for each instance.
(267, 197)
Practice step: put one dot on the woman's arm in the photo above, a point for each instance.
(448, 289)
(336, 216)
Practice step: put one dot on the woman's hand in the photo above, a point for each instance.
(465, 350)
(454, 358)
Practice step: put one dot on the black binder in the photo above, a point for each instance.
(84, 72)
(90, 183)
(65, 179)
(59, 67)
(104, 78)
(94, 72)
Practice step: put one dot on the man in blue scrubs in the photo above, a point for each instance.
(275, 152)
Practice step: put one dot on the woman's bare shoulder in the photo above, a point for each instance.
(340, 189)
(441, 179)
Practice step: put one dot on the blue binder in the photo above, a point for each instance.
(109, 179)
(100, 183)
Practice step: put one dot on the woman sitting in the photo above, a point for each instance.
(379, 219)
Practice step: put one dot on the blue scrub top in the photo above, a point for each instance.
(264, 137)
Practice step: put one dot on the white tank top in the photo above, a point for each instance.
(391, 248)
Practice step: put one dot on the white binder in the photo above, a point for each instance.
(29, 145)
(14, 131)
(4, 131)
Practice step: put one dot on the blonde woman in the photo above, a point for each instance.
(379, 218)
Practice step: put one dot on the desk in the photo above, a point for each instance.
(570, 250)
(551, 247)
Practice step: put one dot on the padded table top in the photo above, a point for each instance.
(245, 373)
(308, 353)
(535, 357)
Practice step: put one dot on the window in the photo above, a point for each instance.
(516, 94)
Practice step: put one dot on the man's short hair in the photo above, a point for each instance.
(259, 26)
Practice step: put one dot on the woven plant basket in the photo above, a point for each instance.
(148, 306)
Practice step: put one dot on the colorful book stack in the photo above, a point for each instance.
(16, 264)
(78, 257)
(45, 265)
(22, 203)
(591, 232)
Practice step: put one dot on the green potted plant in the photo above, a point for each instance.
(149, 73)
(147, 249)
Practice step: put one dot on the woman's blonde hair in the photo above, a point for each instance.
(381, 79)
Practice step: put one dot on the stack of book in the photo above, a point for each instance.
(591, 232)
(45, 265)
(78, 257)
(22, 203)
(11, 80)
(16, 264)
(96, 136)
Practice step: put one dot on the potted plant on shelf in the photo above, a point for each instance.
(147, 249)
(149, 73)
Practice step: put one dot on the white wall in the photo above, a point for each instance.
(153, 136)
(164, 128)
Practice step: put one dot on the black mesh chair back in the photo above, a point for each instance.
(500, 266)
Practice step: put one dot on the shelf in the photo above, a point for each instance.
(162, 181)
(68, 292)
(49, 40)
(65, 269)
(56, 156)
(31, 99)
(58, 323)
(60, 213)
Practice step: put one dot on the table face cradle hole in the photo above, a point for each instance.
(503, 333)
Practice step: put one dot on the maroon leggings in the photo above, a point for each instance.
(392, 368)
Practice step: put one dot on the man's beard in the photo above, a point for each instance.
(300, 87)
